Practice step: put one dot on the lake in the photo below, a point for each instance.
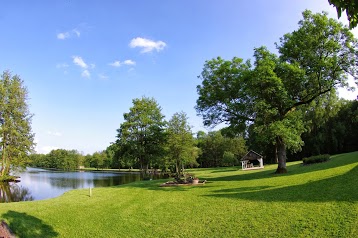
(38, 184)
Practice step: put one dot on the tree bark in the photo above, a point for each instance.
(281, 154)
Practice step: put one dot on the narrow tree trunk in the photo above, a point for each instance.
(4, 163)
(281, 155)
(177, 168)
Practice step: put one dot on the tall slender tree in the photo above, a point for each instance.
(180, 143)
(17, 139)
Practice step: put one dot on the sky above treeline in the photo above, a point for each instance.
(83, 62)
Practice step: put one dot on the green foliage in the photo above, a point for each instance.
(15, 127)
(229, 159)
(316, 159)
(181, 149)
(141, 136)
(333, 129)
(351, 8)
(267, 97)
(214, 145)
(313, 201)
(58, 159)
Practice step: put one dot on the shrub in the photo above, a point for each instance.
(316, 159)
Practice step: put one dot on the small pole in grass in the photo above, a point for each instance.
(90, 192)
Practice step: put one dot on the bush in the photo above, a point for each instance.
(316, 159)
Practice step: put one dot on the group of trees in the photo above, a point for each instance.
(333, 131)
(279, 103)
(57, 159)
(271, 97)
(146, 140)
(219, 149)
(62, 159)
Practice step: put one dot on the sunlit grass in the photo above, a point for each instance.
(319, 200)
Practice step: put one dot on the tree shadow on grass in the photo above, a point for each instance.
(334, 162)
(24, 225)
(339, 188)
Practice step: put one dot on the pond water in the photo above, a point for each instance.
(38, 184)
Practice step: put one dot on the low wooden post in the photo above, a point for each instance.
(90, 192)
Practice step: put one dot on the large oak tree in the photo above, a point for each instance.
(312, 61)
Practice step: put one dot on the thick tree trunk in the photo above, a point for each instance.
(281, 155)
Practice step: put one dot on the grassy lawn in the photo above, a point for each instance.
(319, 200)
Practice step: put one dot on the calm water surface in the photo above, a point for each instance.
(38, 184)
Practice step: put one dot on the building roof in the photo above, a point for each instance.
(252, 155)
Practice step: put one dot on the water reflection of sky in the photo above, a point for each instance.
(44, 184)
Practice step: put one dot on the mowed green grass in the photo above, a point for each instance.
(319, 200)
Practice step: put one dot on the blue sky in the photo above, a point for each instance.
(84, 61)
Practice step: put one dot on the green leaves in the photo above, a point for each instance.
(313, 60)
(181, 149)
(15, 131)
(351, 8)
(141, 135)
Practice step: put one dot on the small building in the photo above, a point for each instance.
(252, 160)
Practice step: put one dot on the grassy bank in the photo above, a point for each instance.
(319, 200)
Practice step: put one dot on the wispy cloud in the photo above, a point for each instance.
(54, 133)
(102, 76)
(118, 63)
(62, 65)
(68, 34)
(86, 74)
(63, 35)
(79, 61)
(129, 62)
(147, 45)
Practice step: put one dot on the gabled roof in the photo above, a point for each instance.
(252, 155)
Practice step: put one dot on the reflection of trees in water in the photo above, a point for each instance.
(11, 192)
(64, 182)
(99, 180)
(115, 180)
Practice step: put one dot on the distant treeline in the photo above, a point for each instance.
(332, 129)
(215, 150)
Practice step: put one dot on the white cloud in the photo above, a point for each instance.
(115, 63)
(54, 133)
(86, 74)
(77, 60)
(62, 36)
(118, 63)
(102, 76)
(77, 32)
(129, 62)
(80, 62)
(62, 65)
(68, 34)
(147, 45)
